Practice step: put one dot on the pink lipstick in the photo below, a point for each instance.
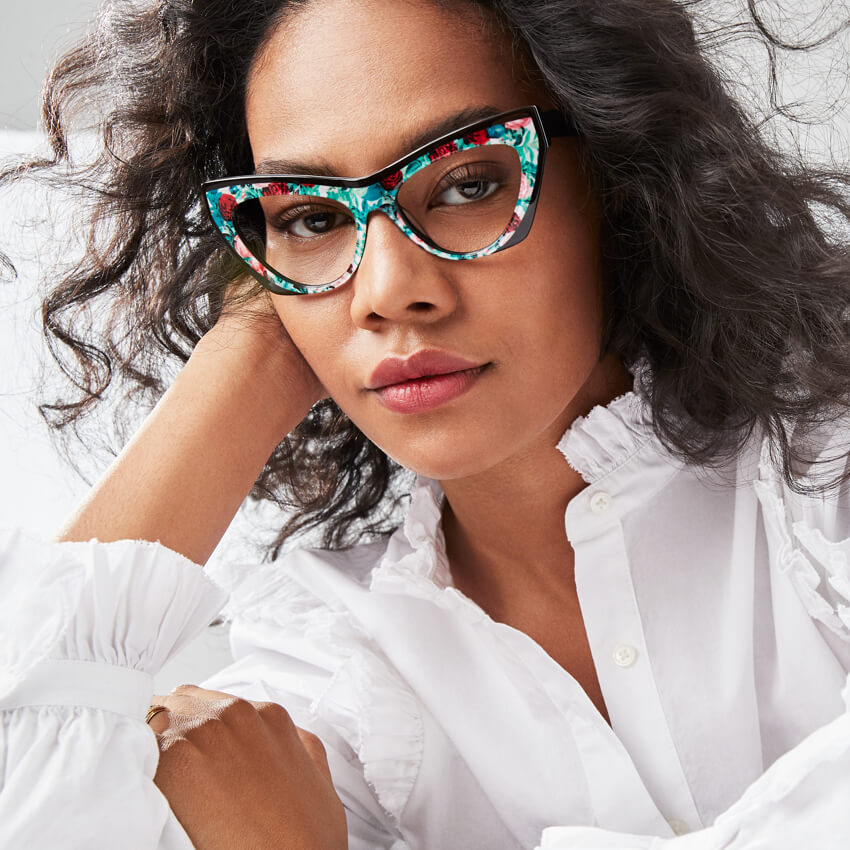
(423, 381)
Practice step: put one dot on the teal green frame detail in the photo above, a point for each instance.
(527, 130)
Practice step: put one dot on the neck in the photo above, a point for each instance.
(508, 521)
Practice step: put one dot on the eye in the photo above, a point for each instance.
(473, 190)
(309, 222)
(466, 186)
(315, 224)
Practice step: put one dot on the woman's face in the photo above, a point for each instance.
(342, 85)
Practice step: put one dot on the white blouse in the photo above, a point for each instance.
(717, 607)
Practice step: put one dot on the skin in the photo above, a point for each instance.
(220, 769)
(540, 331)
(532, 313)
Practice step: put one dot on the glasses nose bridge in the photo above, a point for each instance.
(385, 203)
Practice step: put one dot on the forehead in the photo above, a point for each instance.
(343, 83)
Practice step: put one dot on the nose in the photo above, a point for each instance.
(397, 281)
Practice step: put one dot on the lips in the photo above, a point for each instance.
(423, 364)
(423, 381)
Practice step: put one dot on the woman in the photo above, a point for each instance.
(341, 210)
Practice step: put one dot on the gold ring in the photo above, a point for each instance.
(153, 711)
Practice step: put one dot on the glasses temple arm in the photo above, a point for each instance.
(555, 124)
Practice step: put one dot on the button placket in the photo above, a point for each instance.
(600, 502)
(678, 826)
(624, 655)
(614, 630)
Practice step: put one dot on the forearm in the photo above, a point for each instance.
(182, 477)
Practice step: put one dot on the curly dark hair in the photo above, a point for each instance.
(726, 265)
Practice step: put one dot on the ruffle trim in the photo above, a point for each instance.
(417, 548)
(380, 718)
(416, 564)
(607, 437)
(365, 700)
(128, 603)
(818, 568)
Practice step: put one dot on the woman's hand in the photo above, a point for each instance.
(240, 774)
(182, 477)
(249, 326)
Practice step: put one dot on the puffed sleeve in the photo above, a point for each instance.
(85, 627)
(809, 534)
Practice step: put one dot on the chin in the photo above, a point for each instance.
(462, 442)
(442, 469)
(445, 456)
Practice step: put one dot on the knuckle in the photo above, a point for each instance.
(236, 708)
(204, 730)
(273, 712)
(189, 722)
(312, 743)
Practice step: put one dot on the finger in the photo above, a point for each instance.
(190, 699)
(181, 729)
(249, 302)
(316, 750)
(200, 693)
(158, 717)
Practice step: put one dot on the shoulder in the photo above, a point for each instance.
(311, 583)
(300, 586)
(810, 530)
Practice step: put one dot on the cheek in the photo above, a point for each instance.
(568, 250)
(554, 287)
(554, 276)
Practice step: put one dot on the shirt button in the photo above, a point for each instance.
(600, 501)
(679, 827)
(624, 656)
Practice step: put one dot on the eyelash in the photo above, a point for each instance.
(465, 174)
(294, 213)
(458, 176)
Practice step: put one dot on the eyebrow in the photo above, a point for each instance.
(435, 130)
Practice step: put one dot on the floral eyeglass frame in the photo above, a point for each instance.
(528, 130)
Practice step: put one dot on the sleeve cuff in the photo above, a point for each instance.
(86, 620)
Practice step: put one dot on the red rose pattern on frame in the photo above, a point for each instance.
(227, 206)
(442, 150)
(249, 258)
(275, 189)
(392, 181)
(476, 137)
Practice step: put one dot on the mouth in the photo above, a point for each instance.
(423, 381)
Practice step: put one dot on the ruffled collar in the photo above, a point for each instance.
(417, 549)
(593, 445)
(607, 437)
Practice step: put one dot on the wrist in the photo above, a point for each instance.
(183, 475)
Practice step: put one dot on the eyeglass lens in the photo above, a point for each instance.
(461, 203)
